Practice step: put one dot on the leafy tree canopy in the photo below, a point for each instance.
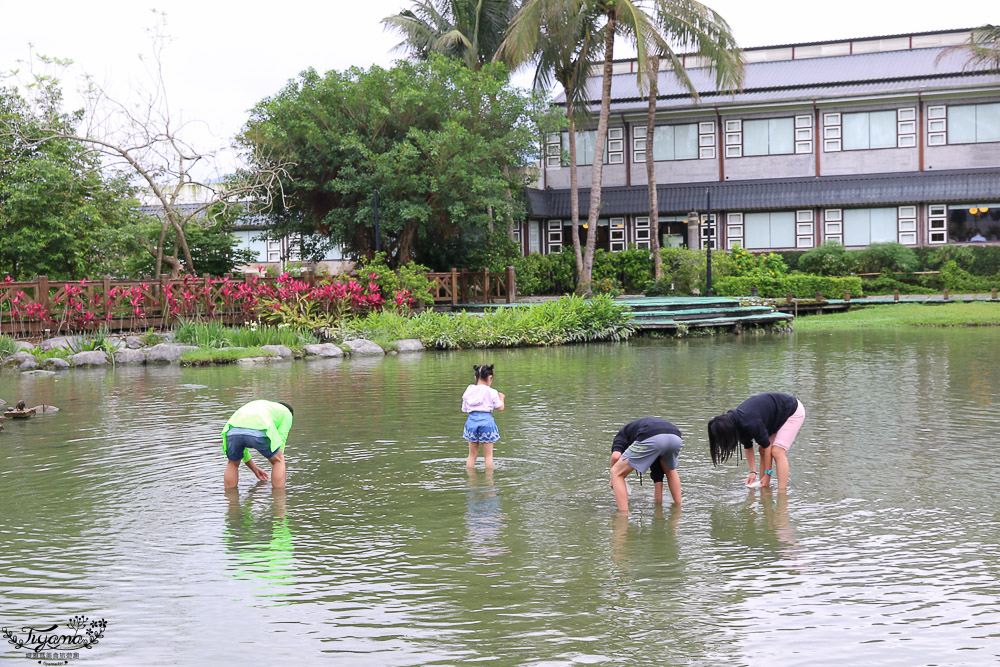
(447, 148)
(60, 214)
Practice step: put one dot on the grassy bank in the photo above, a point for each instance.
(896, 316)
(568, 320)
(204, 356)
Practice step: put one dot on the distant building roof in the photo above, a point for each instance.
(805, 79)
(784, 193)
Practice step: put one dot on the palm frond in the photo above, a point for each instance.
(982, 49)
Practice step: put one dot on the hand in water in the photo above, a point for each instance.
(752, 480)
(261, 475)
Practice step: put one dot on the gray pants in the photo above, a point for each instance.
(640, 455)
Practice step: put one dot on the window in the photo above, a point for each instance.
(773, 136)
(675, 142)
(875, 129)
(586, 140)
(973, 123)
(869, 225)
(974, 223)
(769, 230)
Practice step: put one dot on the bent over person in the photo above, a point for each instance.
(260, 425)
(651, 444)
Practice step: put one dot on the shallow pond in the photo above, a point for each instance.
(384, 551)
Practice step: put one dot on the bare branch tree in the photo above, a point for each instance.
(141, 137)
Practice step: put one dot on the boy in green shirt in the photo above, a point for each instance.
(260, 425)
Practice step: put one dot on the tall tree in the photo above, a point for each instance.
(143, 138)
(982, 48)
(629, 19)
(685, 26)
(563, 40)
(432, 137)
(60, 215)
(470, 30)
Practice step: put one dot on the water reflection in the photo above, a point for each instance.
(385, 551)
(257, 536)
(484, 520)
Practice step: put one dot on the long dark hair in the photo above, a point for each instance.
(723, 439)
(483, 372)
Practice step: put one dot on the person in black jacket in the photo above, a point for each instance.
(767, 419)
(645, 444)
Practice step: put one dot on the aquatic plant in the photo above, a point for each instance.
(571, 319)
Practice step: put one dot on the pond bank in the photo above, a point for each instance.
(904, 315)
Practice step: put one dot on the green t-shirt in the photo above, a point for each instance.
(272, 418)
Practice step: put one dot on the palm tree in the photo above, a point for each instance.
(562, 39)
(983, 48)
(686, 26)
(629, 19)
(470, 30)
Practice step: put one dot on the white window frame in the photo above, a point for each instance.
(937, 224)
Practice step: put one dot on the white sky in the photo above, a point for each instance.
(226, 56)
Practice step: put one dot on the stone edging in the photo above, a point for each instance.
(130, 351)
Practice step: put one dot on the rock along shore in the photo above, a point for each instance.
(130, 351)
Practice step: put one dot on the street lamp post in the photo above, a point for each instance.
(708, 242)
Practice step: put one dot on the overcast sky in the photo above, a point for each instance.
(227, 56)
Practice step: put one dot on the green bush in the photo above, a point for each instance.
(977, 260)
(765, 265)
(631, 268)
(829, 259)
(791, 258)
(801, 286)
(958, 279)
(887, 283)
(881, 257)
(410, 276)
(546, 274)
(567, 320)
(687, 269)
(215, 335)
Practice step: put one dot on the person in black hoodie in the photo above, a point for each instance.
(767, 419)
(645, 444)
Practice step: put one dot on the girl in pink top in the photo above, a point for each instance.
(479, 401)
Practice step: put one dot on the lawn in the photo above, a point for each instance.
(895, 316)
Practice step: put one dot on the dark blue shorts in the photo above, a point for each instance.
(236, 443)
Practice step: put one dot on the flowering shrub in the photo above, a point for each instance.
(86, 305)
(765, 265)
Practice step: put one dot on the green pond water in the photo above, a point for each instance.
(384, 551)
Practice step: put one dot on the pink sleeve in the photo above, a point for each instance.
(465, 403)
(496, 398)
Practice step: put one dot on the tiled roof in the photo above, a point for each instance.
(808, 78)
(774, 194)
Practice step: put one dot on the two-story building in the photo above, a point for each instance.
(858, 141)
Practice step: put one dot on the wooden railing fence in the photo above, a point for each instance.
(463, 286)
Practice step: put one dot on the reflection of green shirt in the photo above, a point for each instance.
(272, 418)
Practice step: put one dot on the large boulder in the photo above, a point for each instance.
(58, 343)
(91, 358)
(409, 345)
(55, 363)
(323, 350)
(133, 342)
(364, 348)
(167, 353)
(22, 361)
(130, 356)
(24, 345)
(280, 350)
